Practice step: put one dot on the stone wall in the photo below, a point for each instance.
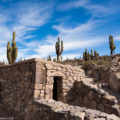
(54, 110)
(34, 79)
(22, 82)
(44, 88)
(86, 95)
(17, 87)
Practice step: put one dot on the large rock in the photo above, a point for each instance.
(114, 81)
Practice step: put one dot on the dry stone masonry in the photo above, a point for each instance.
(52, 110)
(31, 89)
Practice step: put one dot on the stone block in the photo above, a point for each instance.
(47, 97)
(85, 100)
(90, 95)
(38, 86)
(48, 91)
(49, 66)
(42, 96)
(109, 100)
(93, 104)
(49, 86)
(59, 68)
(42, 92)
(49, 74)
(100, 107)
(36, 93)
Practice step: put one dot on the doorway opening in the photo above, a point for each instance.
(57, 88)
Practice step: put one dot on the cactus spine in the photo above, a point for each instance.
(111, 44)
(12, 51)
(59, 49)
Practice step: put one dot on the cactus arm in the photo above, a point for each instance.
(9, 53)
(59, 48)
(12, 51)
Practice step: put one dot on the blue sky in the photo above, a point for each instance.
(79, 23)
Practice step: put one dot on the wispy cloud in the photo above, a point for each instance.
(76, 38)
(23, 18)
(72, 4)
(26, 18)
(95, 10)
(117, 37)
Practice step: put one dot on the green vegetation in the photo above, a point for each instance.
(95, 55)
(87, 56)
(59, 49)
(111, 44)
(49, 58)
(92, 56)
(54, 59)
(12, 51)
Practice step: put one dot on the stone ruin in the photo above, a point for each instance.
(42, 90)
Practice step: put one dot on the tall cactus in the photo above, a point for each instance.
(85, 55)
(96, 54)
(111, 44)
(49, 58)
(91, 55)
(12, 51)
(59, 49)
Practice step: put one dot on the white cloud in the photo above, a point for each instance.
(72, 4)
(76, 38)
(25, 18)
(3, 53)
(80, 28)
(34, 14)
(117, 37)
(29, 17)
(95, 9)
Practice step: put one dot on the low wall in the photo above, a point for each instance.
(87, 95)
(53, 110)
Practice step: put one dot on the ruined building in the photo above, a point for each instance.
(41, 90)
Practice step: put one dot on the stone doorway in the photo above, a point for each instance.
(57, 88)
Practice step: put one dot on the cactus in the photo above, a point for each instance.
(59, 48)
(49, 58)
(85, 55)
(96, 54)
(91, 55)
(111, 44)
(61, 58)
(9, 53)
(12, 51)
(88, 56)
(54, 59)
